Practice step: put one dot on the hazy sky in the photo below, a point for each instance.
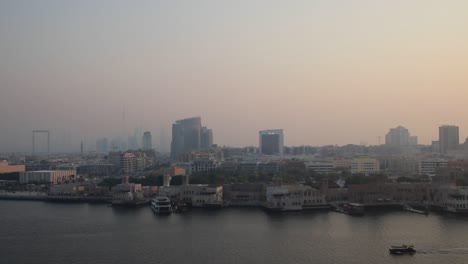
(327, 72)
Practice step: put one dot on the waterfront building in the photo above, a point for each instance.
(5, 167)
(208, 196)
(186, 136)
(293, 198)
(271, 142)
(389, 193)
(146, 141)
(243, 194)
(198, 195)
(46, 176)
(449, 138)
(128, 194)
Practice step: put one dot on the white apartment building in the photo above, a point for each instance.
(320, 166)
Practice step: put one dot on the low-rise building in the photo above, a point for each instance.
(198, 195)
(293, 198)
(46, 176)
(243, 194)
(5, 167)
(200, 165)
(100, 169)
(365, 165)
(389, 193)
(320, 166)
(429, 167)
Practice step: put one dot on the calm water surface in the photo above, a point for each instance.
(53, 233)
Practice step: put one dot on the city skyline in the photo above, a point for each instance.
(313, 68)
(105, 144)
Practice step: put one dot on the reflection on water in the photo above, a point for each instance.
(84, 233)
(454, 251)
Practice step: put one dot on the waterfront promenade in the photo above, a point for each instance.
(41, 196)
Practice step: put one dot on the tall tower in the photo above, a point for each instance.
(206, 138)
(34, 132)
(186, 136)
(147, 142)
(397, 137)
(102, 146)
(271, 142)
(449, 138)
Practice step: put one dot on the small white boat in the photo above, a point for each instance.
(411, 209)
(161, 205)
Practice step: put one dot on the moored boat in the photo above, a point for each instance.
(353, 209)
(161, 205)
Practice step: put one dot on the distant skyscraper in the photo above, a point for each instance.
(102, 146)
(132, 143)
(413, 141)
(398, 137)
(163, 146)
(449, 138)
(271, 142)
(147, 144)
(206, 138)
(186, 136)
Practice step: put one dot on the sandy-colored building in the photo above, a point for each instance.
(365, 165)
(8, 168)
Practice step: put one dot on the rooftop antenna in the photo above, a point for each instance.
(122, 140)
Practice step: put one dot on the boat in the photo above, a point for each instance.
(401, 250)
(411, 209)
(179, 207)
(161, 205)
(353, 209)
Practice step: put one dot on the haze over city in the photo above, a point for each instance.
(327, 72)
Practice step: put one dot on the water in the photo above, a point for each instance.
(54, 233)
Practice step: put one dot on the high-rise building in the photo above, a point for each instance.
(397, 137)
(146, 142)
(449, 138)
(413, 140)
(186, 136)
(206, 138)
(102, 146)
(271, 142)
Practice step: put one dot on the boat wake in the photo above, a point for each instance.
(444, 251)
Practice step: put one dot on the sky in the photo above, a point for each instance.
(327, 72)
